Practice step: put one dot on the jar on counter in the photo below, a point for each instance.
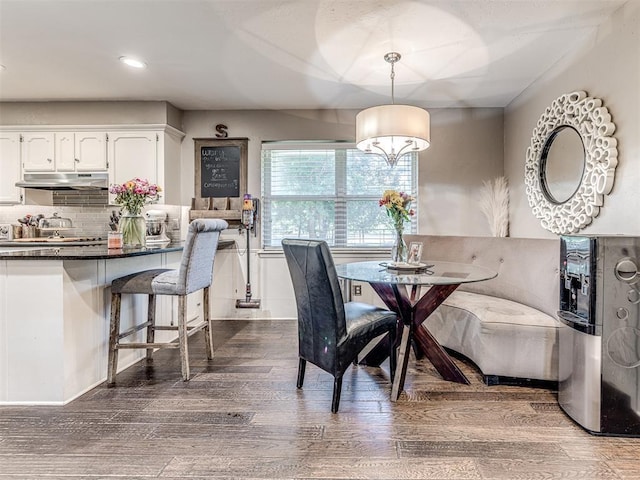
(16, 231)
(114, 240)
(29, 231)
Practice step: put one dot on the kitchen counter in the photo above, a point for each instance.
(89, 252)
(54, 316)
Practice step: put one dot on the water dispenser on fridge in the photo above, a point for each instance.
(599, 339)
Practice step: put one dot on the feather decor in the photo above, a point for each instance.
(494, 203)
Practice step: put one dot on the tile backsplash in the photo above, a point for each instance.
(80, 197)
(90, 220)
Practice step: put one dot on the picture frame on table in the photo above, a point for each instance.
(415, 253)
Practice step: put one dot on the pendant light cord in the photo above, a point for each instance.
(393, 76)
(392, 58)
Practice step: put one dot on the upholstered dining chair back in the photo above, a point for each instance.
(331, 333)
(321, 317)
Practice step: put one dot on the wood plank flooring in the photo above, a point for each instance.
(241, 417)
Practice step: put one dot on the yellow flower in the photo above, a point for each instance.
(397, 207)
(133, 194)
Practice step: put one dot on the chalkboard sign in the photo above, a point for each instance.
(220, 168)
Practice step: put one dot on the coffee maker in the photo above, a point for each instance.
(156, 226)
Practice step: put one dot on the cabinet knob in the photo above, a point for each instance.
(77, 160)
(49, 160)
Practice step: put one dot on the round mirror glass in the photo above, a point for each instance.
(562, 164)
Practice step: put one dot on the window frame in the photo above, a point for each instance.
(340, 197)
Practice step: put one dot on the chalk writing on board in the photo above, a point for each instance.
(220, 171)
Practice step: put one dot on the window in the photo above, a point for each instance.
(330, 191)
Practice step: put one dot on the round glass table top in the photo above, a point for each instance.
(432, 272)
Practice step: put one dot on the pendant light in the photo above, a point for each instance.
(392, 130)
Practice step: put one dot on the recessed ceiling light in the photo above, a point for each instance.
(132, 62)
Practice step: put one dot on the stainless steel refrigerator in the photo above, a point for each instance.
(599, 337)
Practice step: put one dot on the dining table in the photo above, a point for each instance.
(414, 292)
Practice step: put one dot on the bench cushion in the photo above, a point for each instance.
(502, 337)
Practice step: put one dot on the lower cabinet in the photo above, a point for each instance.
(57, 348)
(194, 306)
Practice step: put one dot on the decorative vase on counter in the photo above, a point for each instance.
(399, 250)
(133, 229)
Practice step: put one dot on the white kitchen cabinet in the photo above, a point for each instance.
(90, 151)
(38, 152)
(10, 168)
(151, 152)
(64, 151)
(195, 306)
(55, 349)
(153, 155)
(81, 151)
(131, 155)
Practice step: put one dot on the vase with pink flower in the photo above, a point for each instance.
(132, 196)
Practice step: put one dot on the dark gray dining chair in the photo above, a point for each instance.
(195, 273)
(331, 333)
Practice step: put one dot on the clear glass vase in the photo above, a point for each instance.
(399, 250)
(133, 229)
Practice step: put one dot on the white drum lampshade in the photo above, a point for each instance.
(393, 130)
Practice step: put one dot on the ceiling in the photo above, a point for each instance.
(276, 54)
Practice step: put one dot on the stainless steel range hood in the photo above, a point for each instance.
(65, 181)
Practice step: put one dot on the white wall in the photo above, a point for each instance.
(467, 147)
(89, 113)
(609, 68)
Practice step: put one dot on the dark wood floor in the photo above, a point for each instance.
(241, 417)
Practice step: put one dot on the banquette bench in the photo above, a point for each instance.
(508, 325)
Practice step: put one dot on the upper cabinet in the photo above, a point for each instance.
(145, 151)
(153, 155)
(81, 151)
(38, 152)
(133, 154)
(64, 151)
(10, 168)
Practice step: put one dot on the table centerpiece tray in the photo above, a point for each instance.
(405, 267)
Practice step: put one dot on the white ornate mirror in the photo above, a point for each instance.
(570, 162)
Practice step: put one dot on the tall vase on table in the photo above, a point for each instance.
(397, 207)
(132, 196)
(134, 230)
(399, 249)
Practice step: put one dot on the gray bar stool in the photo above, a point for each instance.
(195, 273)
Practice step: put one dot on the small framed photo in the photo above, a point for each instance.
(415, 253)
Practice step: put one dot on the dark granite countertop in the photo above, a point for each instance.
(92, 252)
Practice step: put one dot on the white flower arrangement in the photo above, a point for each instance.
(494, 203)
